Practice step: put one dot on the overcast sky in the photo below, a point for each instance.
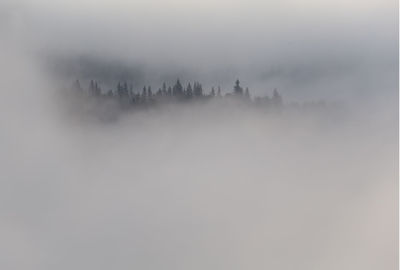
(336, 49)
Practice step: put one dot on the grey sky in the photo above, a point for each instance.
(314, 46)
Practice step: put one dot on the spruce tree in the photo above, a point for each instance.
(212, 92)
(237, 90)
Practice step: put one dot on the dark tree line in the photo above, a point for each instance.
(127, 96)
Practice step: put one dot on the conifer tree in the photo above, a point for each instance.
(237, 90)
(177, 90)
(189, 91)
(212, 92)
(197, 89)
(144, 94)
(97, 90)
(276, 98)
(76, 87)
(164, 89)
(247, 93)
(91, 88)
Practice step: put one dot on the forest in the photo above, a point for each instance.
(127, 97)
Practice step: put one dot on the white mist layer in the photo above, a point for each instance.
(192, 187)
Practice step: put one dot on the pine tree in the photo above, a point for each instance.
(119, 90)
(91, 88)
(276, 98)
(97, 90)
(144, 94)
(189, 91)
(164, 89)
(177, 90)
(247, 93)
(237, 90)
(212, 92)
(197, 89)
(77, 86)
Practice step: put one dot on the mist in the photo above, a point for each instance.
(207, 185)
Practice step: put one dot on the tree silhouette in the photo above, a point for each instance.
(197, 89)
(127, 97)
(212, 92)
(189, 91)
(276, 98)
(164, 89)
(144, 94)
(177, 90)
(247, 93)
(77, 86)
(237, 90)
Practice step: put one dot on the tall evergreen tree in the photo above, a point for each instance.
(212, 92)
(119, 90)
(97, 90)
(164, 89)
(144, 94)
(189, 91)
(77, 86)
(247, 93)
(177, 90)
(237, 90)
(91, 88)
(197, 89)
(276, 98)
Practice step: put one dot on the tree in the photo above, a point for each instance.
(144, 94)
(197, 89)
(189, 91)
(97, 90)
(177, 90)
(164, 89)
(91, 88)
(122, 90)
(212, 92)
(125, 87)
(77, 86)
(276, 98)
(237, 90)
(247, 93)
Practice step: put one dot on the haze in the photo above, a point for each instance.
(202, 186)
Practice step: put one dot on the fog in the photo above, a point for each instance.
(200, 186)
